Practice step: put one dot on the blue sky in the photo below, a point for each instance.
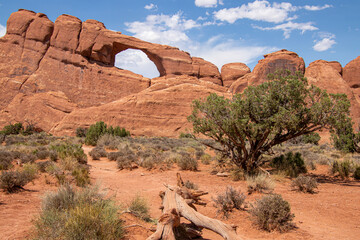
(220, 31)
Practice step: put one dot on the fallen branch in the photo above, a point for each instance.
(178, 202)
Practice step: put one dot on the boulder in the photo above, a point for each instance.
(279, 60)
(232, 71)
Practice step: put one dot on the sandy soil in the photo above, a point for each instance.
(332, 213)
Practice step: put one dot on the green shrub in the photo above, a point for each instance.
(186, 162)
(97, 152)
(291, 164)
(342, 168)
(186, 135)
(259, 183)
(42, 154)
(81, 132)
(85, 214)
(229, 200)
(27, 158)
(5, 160)
(205, 159)
(304, 184)
(109, 141)
(30, 171)
(311, 138)
(100, 128)
(81, 175)
(65, 150)
(95, 132)
(12, 181)
(272, 212)
(14, 129)
(140, 208)
(357, 173)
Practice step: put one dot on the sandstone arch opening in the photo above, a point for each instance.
(137, 62)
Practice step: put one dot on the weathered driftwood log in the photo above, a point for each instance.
(176, 204)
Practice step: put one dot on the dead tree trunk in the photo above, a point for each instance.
(176, 204)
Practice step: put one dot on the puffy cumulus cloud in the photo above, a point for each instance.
(220, 51)
(208, 3)
(259, 10)
(151, 6)
(317, 8)
(326, 42)
(2, 30)
(289, 27)
(137, 62)
(163, 29)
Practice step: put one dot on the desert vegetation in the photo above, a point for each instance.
(264, 147)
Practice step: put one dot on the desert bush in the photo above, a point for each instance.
(81, 175)
(311, 138)
(272, 212)
(112, 156)
(97, 152)
(291, 164)
(191, 185)
(5, 160)
(12, 181)
(229, 200)
(109, 141)
(185, 135)
(237, 174)
(43, 165)
(125, 161)
(304, 184)
(85, 214)
(14, 129)
(42, 154)
(186, 162)
(205, 159)
(342, 168)
(259, 183)
(66, 150)
(27, 158)
(30, 171)
(53, 155)
(100, 128)
(81, 132)
(357, 173)
(16, 154)
(140, 208)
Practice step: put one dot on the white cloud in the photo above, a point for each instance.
(137, 62)
(325, 43)
(220, 51)
(259, 10)
(317, 8)
(2, 30)
(207, 3)
(163, 29)
(291, 26)
(151, 6)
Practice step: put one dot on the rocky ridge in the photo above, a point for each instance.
(61, 76)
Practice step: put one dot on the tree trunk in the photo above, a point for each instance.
(175, 206)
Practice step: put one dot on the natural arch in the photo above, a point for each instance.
(136, 61)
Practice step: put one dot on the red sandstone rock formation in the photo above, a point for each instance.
(232, 71)
(282, 59)
(324, 75)
(61, 76)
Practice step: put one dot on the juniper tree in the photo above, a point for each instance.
(251, 123)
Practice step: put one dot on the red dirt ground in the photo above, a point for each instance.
(332, 213)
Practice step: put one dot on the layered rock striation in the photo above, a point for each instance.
(61, 76)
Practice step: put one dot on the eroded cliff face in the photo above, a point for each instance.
(61, 76)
